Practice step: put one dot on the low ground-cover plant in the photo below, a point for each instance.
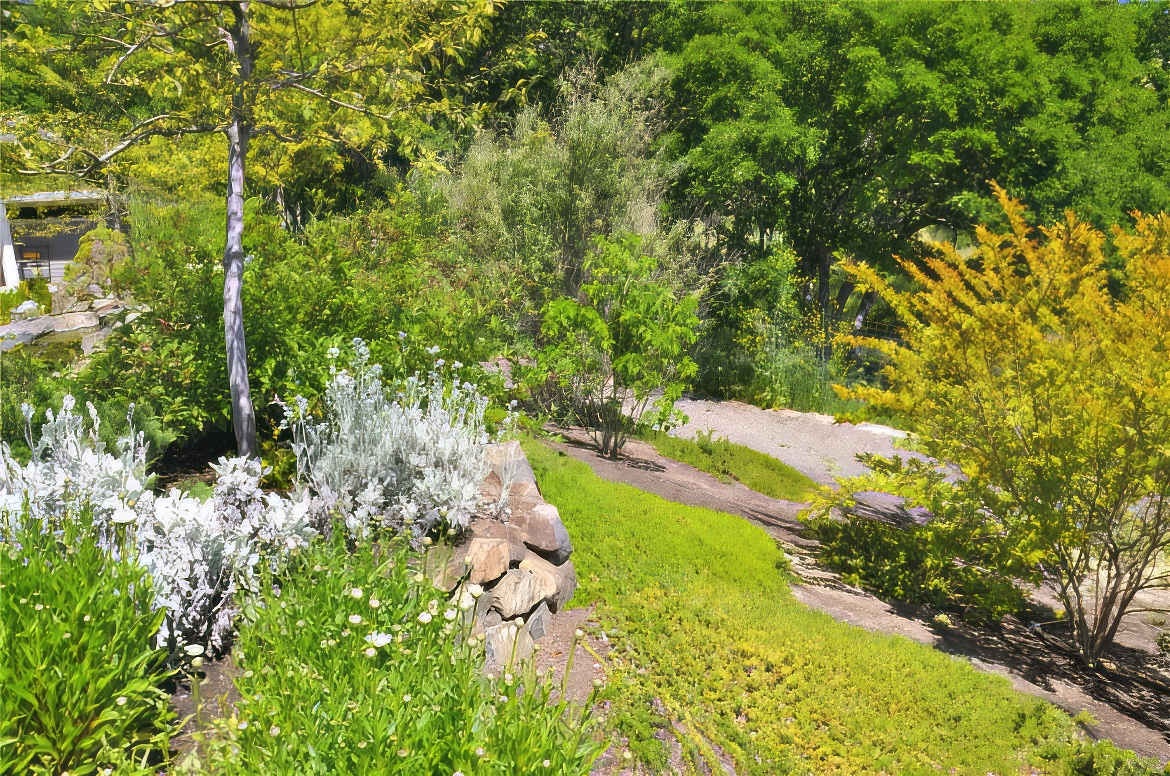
(352, 663)
(960, 558)
(727, 461)
(697, 608)
(80, 678)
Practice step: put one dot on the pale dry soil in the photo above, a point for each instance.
(1128, 698)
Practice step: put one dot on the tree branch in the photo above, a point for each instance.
(333, 101)
(137, 134)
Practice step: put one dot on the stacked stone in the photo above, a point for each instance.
(517, 551)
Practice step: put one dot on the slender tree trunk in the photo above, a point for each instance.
(867, 301)
(238, 133)
(243, 416)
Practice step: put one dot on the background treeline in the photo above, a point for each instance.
(756, 149)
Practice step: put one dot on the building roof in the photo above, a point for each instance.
(56, 199)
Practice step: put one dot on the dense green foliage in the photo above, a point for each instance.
(319, 697)
(728, 461)
(960, 558)
(624, 340)
(81, 680)
(36, 289)
(697, 607)
(839, 131)
(387, 275)
(1020, 367)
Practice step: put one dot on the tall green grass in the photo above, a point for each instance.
(697, 607)
(81, 684)
(727, 461)
(351, 663)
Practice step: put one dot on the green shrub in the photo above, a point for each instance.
(36, 289)
(619, 350)
(960, 559)
(320, 698)
(80, 680)
(762, 473)
(386, 275)
(697, 609)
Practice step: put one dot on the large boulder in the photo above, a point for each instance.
(520, 591)
(562, 578)
(25, 310)
(544, 532)
(487, 559)
(505, 643)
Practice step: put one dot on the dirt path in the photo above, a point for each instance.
(1030, 662)
(810, 443)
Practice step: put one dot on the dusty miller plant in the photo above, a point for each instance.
(200, 554)
(414, 461)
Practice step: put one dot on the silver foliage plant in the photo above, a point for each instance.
(414, 461)
(72, 471)
(199, 554)
(410, 461)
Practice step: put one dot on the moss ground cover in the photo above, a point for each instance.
(728, 461)
(358, 666)
(697, 606)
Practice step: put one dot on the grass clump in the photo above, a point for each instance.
(81, 684)
(698, 610)
(727, 461)
(351, 663)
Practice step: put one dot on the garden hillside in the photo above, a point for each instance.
(705, 632)
(287, 286)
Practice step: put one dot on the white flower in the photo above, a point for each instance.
(274, 731)
(375, 603)
(370, 652)
(356, 592)
(380, 639)
(356, 619)
(450, 614)
(120, 700)
(424, 617)
(194, 650)
(406, 699)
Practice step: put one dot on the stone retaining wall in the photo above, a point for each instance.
(512, 566)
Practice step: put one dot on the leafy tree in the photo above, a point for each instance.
(293, 71)
(845, 129)
(624, 341)
(1052, 396)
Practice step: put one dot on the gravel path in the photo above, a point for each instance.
(810, 443)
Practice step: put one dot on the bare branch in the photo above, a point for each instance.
(333, 101)
(129, 53)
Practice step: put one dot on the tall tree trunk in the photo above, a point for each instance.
(243, 416)
(238, 133)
